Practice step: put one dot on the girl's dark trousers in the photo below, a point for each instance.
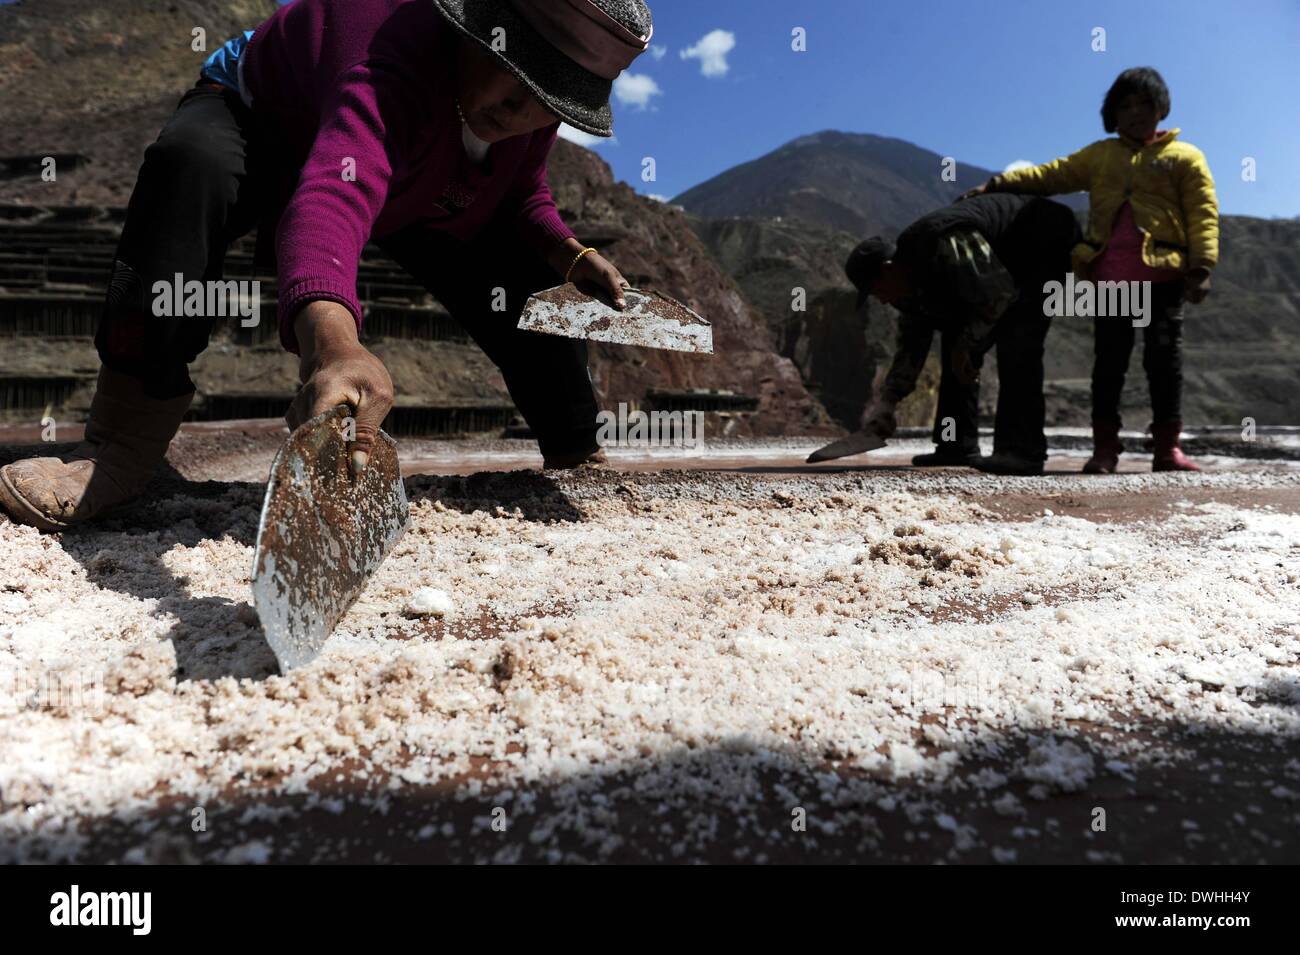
(1162, 358)
(211, 177)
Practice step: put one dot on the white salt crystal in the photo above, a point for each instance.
(430, 602)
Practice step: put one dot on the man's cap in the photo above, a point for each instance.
(865, 262)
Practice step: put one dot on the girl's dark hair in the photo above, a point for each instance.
(1142, 80)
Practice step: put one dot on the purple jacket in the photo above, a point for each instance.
(368, 85)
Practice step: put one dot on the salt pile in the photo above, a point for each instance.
(872, 635)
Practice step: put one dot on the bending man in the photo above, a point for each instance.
(975, 272)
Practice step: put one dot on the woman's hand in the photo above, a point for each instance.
(1196, 285)
(336, 369)
(593, 268)
(596, 269)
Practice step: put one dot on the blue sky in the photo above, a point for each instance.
(989, 83)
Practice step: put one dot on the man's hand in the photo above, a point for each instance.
(1196, 285)
(592, 269)
(880, 418)
(336, 369)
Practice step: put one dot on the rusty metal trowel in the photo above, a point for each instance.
(651, 319)
(857, 443)
(323, 532)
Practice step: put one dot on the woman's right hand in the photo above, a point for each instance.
(336, 369)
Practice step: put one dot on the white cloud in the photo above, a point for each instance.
(581, 138)
(1018, 164)
(635, 89)
(711, 51)
(655, 196)
(658, 52)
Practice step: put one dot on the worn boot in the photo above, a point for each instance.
(1106, 448)
(1168, 455)
(126, 439)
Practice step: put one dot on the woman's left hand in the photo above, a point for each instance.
(597, 270)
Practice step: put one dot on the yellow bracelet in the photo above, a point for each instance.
(576, 259)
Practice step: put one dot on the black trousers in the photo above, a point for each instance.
(959, 404)
(1162, 358)
(1018, 337)
(1022, 410)
(956, 418)
(210, 177)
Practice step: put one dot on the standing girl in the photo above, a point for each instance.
(1153, 218)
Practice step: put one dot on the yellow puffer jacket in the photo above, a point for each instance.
(1168, 183)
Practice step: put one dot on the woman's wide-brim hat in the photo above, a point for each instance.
(567, 52)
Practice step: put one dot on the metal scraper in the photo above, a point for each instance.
(651, 319)
(857, 443)
(323, 532)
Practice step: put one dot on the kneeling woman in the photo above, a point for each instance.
(423, 124)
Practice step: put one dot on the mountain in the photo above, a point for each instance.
(855, 182)
(788, 220)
